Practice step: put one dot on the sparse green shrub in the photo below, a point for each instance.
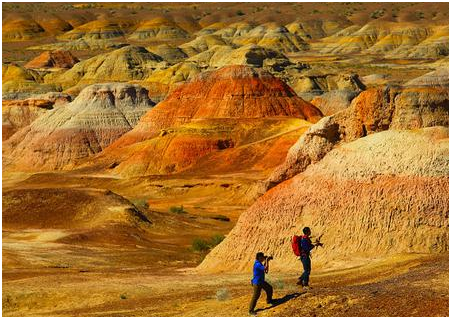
(277, 283)
(377, 13)
(203, 246)
(222, 294)
(216, 240)
(419, 14)
(177, 209)
(200, 245)
(123, 296)
(240, 13)
(141, 203)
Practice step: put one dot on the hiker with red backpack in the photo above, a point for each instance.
(302, 245)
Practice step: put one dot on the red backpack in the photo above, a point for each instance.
(295, 245)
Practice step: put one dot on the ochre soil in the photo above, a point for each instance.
(122, 267)
(402, 286)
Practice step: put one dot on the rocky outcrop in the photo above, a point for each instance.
(316, 29)
(230, 92)
(374, 110)
(161, 82)
(17, 114)
(18, 82)
(235, 30)
(125, 64)
(99, 29)
(250, 55)
(272, 36)
(311, 84)
(82, 128)
(158, 28)
(384, 194)
(169, 53)
(434, 46)
(53, 60)
(334, 101)
(393, 40)
(20, 113)
(201, 43)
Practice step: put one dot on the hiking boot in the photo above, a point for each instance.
(299, 283)
(270, 302)
(252, 313)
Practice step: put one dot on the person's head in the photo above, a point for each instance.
(307, 231)
(260, 257)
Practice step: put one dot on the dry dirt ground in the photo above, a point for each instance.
(403, 286)
(93, 263)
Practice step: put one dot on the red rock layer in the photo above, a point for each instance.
(230, 92)
(53, 59)
(211, 146)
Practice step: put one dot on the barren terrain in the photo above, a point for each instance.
(149, 150)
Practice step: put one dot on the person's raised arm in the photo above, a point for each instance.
(266, 265)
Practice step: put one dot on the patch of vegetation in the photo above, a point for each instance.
(377, 13)
(216, 240)
(419, 15)
(222, 294)
(141, 203)
(277, 283)
(240, 13)
(203, 246)
(200, 245)
(123, 296)
(177, 209)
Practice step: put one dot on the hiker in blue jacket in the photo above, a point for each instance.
(261, 267)
(306, 246)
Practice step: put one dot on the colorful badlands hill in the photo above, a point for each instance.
(224, 109)
(377, 171)
(82, 128)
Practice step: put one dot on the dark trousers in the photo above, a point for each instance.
(257, 292)
(307, 264)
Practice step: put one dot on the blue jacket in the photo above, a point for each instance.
(259, 273)
(306, 246)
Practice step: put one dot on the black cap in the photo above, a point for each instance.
(259, 255)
